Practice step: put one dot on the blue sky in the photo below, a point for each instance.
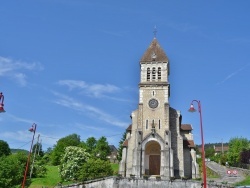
(72, 66)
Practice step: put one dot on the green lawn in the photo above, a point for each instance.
(50, 180)
(244, 182)
(115, 167)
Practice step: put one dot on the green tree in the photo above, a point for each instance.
(38, 149)
(72, 161)
(90, 144)
(38, 162)
(119, 156)
(12, 169)
(236, 146)
(102, 149)
(58, 151)
(4, 148)
(209, 152)
(245, 157)
(95, 168)
(39, 170)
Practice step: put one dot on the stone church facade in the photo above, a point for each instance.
(157, 143)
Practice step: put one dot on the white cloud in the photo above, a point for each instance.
(96, 90)
(17, 135)
(69, 102)
(85, 127)
(20, 78)
(232, 74)
(15, 118)
(24, 139)
(15, 69)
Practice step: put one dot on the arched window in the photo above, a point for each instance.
(148, 74)
(159, 73)
(153, 73)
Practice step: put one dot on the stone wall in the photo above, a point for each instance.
(115, 182)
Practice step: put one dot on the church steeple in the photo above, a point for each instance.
(154, 53)
(154, 65)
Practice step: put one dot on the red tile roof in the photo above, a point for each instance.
(189, 143)
(129, 128)
(186, 127)
(125, 143)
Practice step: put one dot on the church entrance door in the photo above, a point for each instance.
(154, 164)
(152, 158)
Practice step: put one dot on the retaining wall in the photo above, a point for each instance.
(115, 182)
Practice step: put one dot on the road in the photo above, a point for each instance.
(223, 173)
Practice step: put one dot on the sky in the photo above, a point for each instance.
(72, 66)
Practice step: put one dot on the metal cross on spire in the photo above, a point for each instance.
(155, 31)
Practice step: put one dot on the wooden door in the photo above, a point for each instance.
(154, 164)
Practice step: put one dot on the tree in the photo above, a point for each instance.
(4, 148)
(209, 152)
(245, 157)
(38, 149)
(119, 156)
(72, 161)
(91, 145)
(102, 149)
(95, 168)
(236, 146)
(58, 151)
(12, 169)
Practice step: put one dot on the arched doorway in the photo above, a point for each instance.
(152, 158)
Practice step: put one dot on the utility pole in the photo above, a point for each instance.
(32, 166)
(38, 152)
(32, 129)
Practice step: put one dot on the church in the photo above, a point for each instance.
(157, 143)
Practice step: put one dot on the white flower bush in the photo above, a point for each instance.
(71, 162)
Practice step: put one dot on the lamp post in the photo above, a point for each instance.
(192, 109)
(1, 103)
(32, 129)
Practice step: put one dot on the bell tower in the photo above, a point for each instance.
(153, 111)
(156, 142)
(154, 88)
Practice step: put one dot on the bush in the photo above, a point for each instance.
(11, 170)
(95, 168)
(72, 161)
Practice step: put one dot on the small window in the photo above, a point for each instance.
(148, 74)
(159, 124)
(146, 124)
(153, 73)
(159, 73)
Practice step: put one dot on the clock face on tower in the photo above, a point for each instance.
(153, 103)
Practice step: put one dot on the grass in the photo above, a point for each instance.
(211, 174)
(246, 181)
(115, 167)
(52, 178)
(49, 181)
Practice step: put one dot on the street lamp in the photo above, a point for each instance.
(1, 103)
(192, 109)
(32, 129)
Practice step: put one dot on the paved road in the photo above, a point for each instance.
(224, 176)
